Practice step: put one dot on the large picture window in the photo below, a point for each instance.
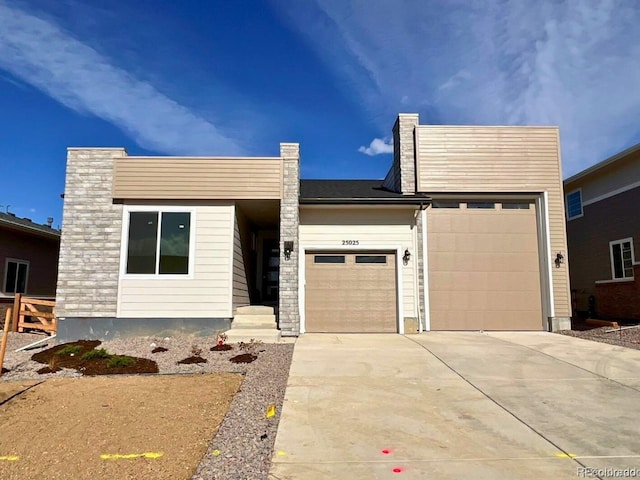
(621, 258)
(158, 243)
(16, 273)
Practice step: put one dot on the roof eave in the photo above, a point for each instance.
(53, 234)
(602, 164)
(365, 201)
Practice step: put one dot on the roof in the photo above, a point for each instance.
(602, 164)
(26, 225)
(352, 191)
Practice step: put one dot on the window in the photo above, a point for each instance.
(328, 259)
(445, 204)
(622, 258)
(515, 206)
(371, 259)
(481, 205)
(574, 204)
(158, 243)
(16, 273)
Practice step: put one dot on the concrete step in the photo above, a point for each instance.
(254, 321)
(254, 310)
(246, 334)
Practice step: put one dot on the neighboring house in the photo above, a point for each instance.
(466, 232)
(28, 259)
(603, 230)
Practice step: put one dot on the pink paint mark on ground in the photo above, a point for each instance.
(397, 470)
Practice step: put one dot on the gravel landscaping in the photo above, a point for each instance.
(243, 446)
(624, 337)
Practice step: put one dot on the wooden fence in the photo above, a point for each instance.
(33, 313)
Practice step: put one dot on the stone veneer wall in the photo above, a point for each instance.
(288, 312)
(91, 231)
(405, 146)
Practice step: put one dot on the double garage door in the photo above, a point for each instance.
(351, 292)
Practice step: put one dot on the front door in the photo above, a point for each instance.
(270, 269)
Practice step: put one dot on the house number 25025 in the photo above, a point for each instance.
(351, 242)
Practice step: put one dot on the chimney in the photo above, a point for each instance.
(49, 221)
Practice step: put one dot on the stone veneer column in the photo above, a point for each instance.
(91, 232)
(404, 152)
(288, 314)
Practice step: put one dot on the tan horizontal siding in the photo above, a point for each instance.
(498, 159)
(197, 178)
(619, 175)
(207, 293)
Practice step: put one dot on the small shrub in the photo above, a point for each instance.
(250, 347)
(120, 361)
(196, 351)
(95, 353)
(69, 350)
(222, 338)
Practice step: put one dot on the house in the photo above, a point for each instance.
(28, 259)
(603, 232)
(466, 232)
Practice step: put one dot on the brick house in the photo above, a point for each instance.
(603, 232)
(463, 233)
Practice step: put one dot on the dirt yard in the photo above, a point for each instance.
(134, 427)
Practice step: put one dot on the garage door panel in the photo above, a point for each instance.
(351, 297)
(484, 269)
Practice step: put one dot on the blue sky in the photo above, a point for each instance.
(237, 77)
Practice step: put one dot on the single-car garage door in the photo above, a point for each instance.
(350, 292)
(484, 271)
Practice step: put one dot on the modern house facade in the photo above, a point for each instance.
(28, 259)
(603, 231)
(466, 232)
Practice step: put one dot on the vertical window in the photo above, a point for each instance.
(174, 243)
(158, 243)
(574, 204)
(15, 276)
(622, 258)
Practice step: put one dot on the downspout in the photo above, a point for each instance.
(416, 286)
(425, 267)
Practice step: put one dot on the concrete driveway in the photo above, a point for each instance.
(445, 405)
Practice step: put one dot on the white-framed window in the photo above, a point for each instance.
(622, 258)
(574, 204)
(159, 242)
(16, 275)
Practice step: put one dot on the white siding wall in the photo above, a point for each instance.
(207, 294)
(372, 227)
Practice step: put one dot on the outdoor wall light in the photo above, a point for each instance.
(288, 248)
(559, 259)
(406, 257)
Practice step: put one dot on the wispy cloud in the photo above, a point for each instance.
(572, 64)
(39, 52)
(378, 146)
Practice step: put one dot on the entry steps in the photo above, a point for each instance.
(256, 322)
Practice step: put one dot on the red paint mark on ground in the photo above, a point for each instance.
(397, 470)
(386, 451)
